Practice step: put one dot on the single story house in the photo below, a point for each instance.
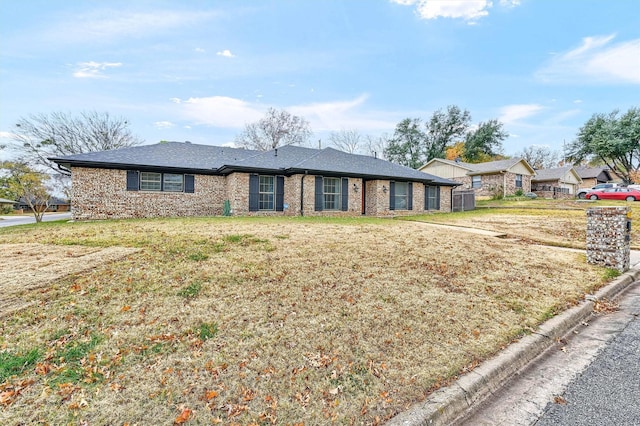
(185, 179)
(557, 182)
(502, 177)
(591, 176)
(55, 204)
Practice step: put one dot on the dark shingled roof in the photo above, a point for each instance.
(165, 155)
(222, 160)
(592, 172)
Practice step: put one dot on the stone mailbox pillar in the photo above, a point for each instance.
(609, 237)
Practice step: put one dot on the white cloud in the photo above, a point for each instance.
(219, 111)
(596, 60)
(163, 124)
(467, 10)
(226, 53)
(225, 112)
(7, 135)
(349, 114)
(199, 50)
(514, 113)
(93, 69)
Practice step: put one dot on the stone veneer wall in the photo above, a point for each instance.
(493, 184)
(445, 198)
(102, 194)
(609, 237)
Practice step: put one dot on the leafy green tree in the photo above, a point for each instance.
(58, 134)
(406, 146)
(277, 128)
(442, 130)
(613, 139)
(24, 182)
(485, 142)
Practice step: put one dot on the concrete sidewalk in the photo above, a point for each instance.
(514, 387)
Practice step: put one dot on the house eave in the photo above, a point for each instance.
(127, 166)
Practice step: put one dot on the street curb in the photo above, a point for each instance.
(446, 405)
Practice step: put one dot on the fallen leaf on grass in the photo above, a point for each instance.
(210, 395)
(126, 308)
(184, 416)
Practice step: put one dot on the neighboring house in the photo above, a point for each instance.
(558, 182)
(184, 179)
(591, 176)
(503, 177)
(55, 205)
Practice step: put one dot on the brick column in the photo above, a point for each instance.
(609, 237)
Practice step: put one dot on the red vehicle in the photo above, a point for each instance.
(618, 193)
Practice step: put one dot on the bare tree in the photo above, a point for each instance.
(540, 157)
(377, 145)
(277, 128)
(347, 140)
(58, 134)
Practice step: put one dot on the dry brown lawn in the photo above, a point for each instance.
(263, 321)
(556, 223)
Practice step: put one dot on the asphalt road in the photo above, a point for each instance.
(590, 377)
(608, 391)
(22, 220)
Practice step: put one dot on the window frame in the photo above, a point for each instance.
(476, 181)
(270, 195)
(168, 184)
(402, 197)
(518, 180)
(145, 182)
(152, 181)
(336, 183)
(432, 201)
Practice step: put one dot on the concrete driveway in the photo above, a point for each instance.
(23, 220)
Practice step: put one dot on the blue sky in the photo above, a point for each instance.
(199, 70)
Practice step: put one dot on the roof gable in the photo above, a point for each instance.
(557, 173)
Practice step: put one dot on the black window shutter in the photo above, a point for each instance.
(345, 194)
(254, 190)
(279, 193)
(189, 184)
(426, 197)
(392, 195)
(319, 194)
(437, 198)
(133, 181)
(410, 196)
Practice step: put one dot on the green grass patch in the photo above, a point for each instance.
(14, 364)
(610, 273)
(191, 291)
(207, 330)
(198, 256)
